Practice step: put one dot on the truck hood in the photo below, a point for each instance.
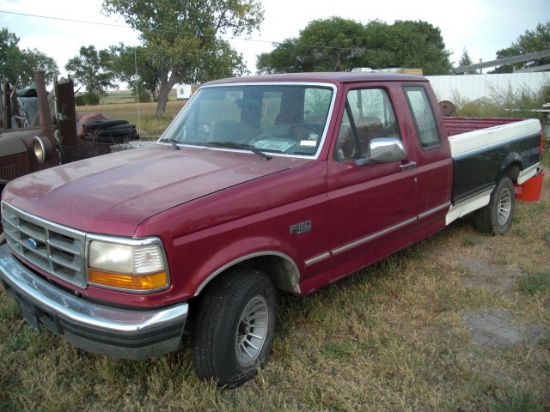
(114, 193)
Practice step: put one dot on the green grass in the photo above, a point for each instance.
(535, 283)
(517, 401)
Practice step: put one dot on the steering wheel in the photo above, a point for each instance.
(300, 131)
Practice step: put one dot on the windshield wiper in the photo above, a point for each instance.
(232, 145)
(174, 143)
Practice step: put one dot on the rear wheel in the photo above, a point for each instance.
(496, 218)
(234, 327)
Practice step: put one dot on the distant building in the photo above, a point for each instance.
(183, 91)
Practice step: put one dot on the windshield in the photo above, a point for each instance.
(276, 119)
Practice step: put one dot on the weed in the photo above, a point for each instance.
(503, 102)
(470, 241)
(338, 350)
(520, 231)
(22, 339)
(517, 401)
(531, 284)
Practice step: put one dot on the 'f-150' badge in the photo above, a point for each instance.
(300, 228)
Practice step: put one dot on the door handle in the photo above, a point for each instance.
(408, 166)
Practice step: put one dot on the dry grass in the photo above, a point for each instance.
(149, 125)
(393, 337)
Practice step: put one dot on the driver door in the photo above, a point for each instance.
(370, 205)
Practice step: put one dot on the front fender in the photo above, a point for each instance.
(199, 264)
(283, 270)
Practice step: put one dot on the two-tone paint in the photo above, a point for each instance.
(306, 222)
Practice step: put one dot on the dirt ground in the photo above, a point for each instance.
(498, 327)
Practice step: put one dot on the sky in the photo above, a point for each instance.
(59, 28)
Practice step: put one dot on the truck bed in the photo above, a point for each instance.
(475, 137)
(458, 125)
(478, 157)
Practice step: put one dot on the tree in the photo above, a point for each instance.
(19, 66)
(285, 58)
(90, 69)
(331, 44)
(132, 65)
(323, 45)
(425, 45)
(33, 61)
(466, 60)
(11, 58)
(529, 42)
(410, 44)
(337, 44)
(181, 37)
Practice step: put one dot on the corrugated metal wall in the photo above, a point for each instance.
(473, 86)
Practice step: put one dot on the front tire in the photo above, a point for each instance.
(234, 327)
(496, 218)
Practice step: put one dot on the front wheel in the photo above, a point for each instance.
(496, 218)
(234, 327)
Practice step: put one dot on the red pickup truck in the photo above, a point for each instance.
(286, 182)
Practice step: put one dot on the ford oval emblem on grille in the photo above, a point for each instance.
(32, 243)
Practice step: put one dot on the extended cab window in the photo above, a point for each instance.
(368, 115)
(423, 116)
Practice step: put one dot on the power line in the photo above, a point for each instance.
(272, 42)
(129, 28)
(64, 19)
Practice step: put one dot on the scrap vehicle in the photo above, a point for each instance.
(40, 131)
(26, 144)
(286, 182)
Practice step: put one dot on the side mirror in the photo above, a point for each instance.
(383, 150)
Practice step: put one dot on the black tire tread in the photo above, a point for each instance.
(486, 219)
(212, 321)
(93, 124)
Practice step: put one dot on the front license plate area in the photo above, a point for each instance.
(30, 314)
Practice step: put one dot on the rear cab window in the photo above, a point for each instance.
(423, 117)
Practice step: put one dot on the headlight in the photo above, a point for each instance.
(131, 265)
(42, 148)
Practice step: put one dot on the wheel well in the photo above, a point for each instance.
(512, 171)
(281, 270)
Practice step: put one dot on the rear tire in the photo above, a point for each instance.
(234, 327)
(496, 218)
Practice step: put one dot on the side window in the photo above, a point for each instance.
(368, 115)
(424, 118)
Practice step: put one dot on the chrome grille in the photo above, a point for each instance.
(56, 249)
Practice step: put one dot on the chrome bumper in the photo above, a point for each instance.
(121, 333)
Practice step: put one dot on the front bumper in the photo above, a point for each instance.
(121, 333)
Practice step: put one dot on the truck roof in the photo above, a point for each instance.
(321, 77)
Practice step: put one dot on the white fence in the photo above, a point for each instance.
(475, 86)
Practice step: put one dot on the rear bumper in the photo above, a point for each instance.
(121, 333)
